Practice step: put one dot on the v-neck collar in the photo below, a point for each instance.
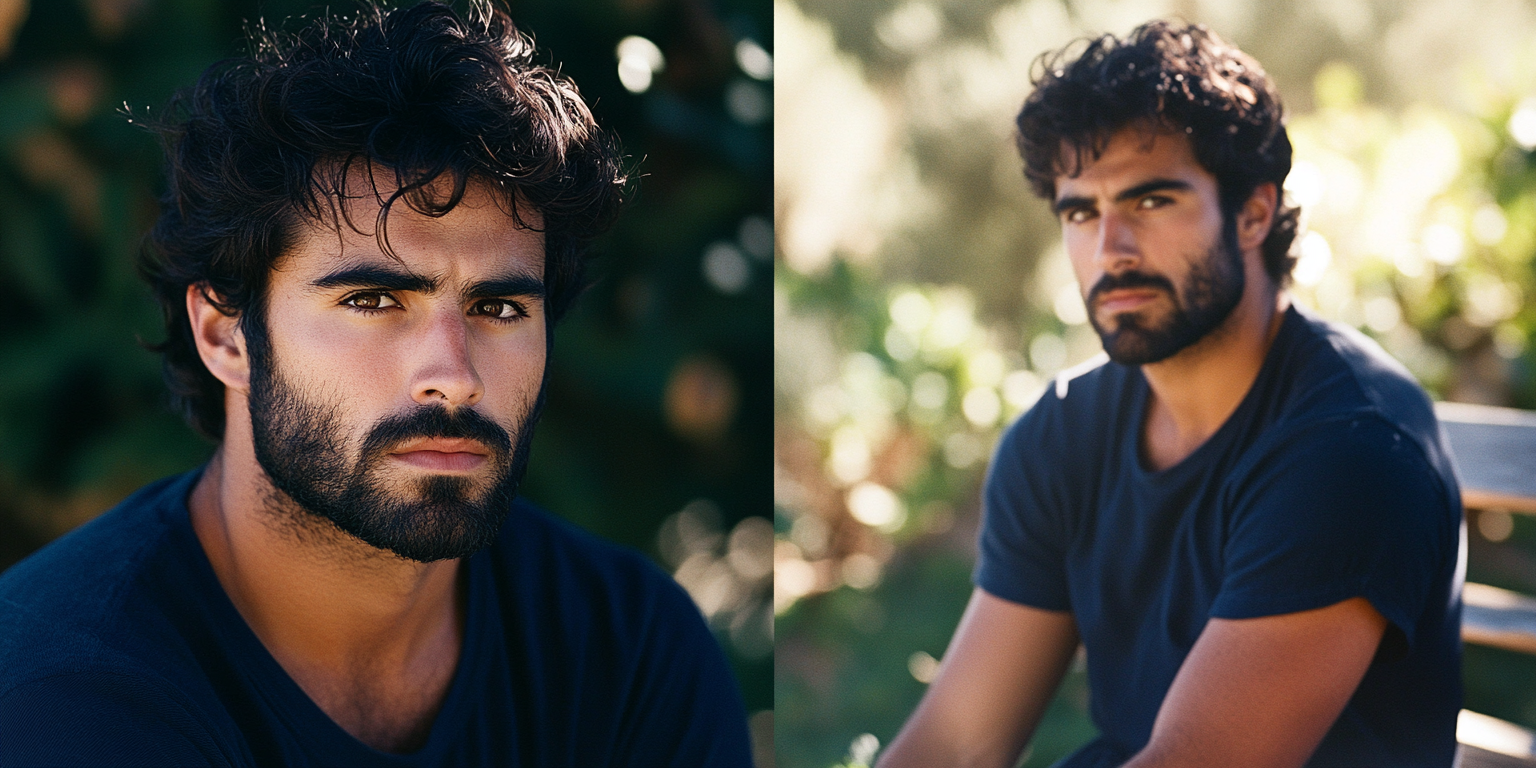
(319, 736)
(1223, 436)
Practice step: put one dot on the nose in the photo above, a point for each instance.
(445, 372)
(1117, 250)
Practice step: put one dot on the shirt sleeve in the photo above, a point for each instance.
(99, 718)
(1346, 508)
(1023, 534)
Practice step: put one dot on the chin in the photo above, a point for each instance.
(1132, 341)
(441, 516)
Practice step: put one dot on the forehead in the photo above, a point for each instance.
(1131, 156)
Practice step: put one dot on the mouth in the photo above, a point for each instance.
(1126, 299)
(442, 454)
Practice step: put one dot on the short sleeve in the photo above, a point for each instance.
(1345, 508)
(86, 718)
(1023, 535)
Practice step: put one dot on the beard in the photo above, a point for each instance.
(300, 443)
(1212, 289)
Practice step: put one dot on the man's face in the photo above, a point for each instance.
(1145, 233)
(396, 399)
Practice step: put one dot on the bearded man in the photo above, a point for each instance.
(371, 227)
(1246, 515)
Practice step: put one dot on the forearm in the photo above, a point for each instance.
(1263, 692)
(1195, 752)
(1000, 671)
(1157, 755)
(924, 742)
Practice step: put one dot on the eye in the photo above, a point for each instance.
(1153, 201)
(497, 309)
(370, 300)
(1077, 215)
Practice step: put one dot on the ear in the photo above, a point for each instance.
(1257, 215)
(220, 342)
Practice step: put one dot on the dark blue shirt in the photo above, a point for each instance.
(118, 647)
(1330, 481)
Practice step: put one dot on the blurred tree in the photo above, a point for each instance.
(658, 396)
(923, 300)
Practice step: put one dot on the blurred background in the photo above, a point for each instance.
(657, 428)
(922, 298)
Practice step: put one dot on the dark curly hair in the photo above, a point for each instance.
(1172, 76)
(265, 142)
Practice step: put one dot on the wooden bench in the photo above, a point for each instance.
(1495, 454)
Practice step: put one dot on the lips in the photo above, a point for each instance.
(1126, 299)
(442, 454)
(1127, 292)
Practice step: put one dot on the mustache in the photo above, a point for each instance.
(434, 422)
(1125, 280)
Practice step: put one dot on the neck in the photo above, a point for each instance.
(1195, 391)
(362, 631)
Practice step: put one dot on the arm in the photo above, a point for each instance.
(997, 677)
(1263, 692)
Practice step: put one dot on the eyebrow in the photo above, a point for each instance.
(520, 285)
(376, 276)
(394, 279)
(1145, 188)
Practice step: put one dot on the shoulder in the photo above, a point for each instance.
(1332, 386)
(88, 659)
(563, 571)
(1081, 401)
(1356, 485)
(1331, 368)
(566, 554)
(1353, 448)
(1353, 452)
(86, 596)
(1069, 433)
(640, 644)
(1344, 418)
(1081, 392)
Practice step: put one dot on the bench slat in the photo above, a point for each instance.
(1498, 618)
(1514, 744)
(1495, 454)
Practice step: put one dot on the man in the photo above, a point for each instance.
(1246, 515)
(371, 226)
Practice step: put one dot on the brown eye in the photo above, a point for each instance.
(499, 309)
(371, 301)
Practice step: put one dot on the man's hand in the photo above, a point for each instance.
(1263, 692)
(997, 677)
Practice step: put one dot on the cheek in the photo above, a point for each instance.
(1085, 267)
(511, 368)
(336, 355)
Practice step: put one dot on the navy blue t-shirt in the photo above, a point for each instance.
(1330, 481)
(119, 647)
